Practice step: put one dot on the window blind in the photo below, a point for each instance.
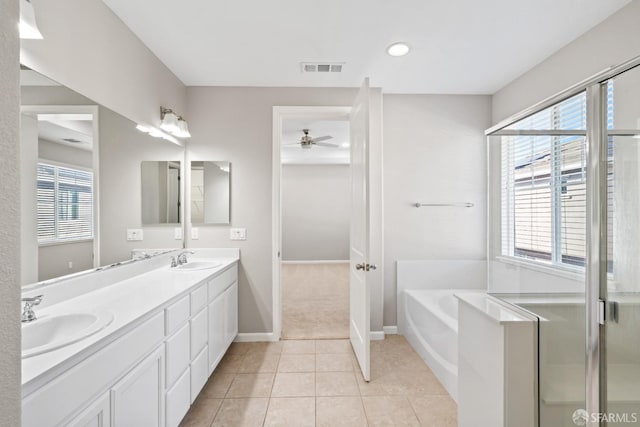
(544, 185)
(64, 204)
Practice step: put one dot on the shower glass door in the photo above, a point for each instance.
(620, 336)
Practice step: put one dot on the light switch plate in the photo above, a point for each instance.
(134, 234)
(195, 234)
(238, 234)
(177, 233)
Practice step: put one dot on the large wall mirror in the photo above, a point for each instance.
(81, 183)
(160, 192)
(210, 192)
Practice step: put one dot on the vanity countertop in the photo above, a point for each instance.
(130, 301)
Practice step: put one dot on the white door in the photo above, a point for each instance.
(359, 303)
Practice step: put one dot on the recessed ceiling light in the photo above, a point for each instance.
(398, 49)
(345, 145)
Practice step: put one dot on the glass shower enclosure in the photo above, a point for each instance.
(564, 243)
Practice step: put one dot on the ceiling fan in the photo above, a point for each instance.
(307, 141)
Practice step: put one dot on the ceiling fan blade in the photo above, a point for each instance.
(322, 138)
(292, 143)
(325, 144)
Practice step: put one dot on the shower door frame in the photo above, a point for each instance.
(596, 233)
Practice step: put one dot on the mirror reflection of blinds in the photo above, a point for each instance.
(65, 204)
(544, 186)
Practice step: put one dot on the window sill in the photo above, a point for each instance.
(64, 242)
(555, 270)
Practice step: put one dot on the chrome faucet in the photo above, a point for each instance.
(28, 315)
(182, 257)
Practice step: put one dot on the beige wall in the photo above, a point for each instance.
(10, 218)
(434, 152)
(316, 203)
(89, 49)
(235, 124)
(612, 42)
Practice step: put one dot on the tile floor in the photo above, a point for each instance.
(315, 301)
(318, 383)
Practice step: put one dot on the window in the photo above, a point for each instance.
(543, 184)
(65, 204)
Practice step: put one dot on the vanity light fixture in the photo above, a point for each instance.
(173, 123)
(27, 25)
(398, 49)
(157, 133)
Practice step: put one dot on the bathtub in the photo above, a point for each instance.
(431, 327)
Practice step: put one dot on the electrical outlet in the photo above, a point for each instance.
(238, 234)
(195, 234)
(177, 233)
(70, 265)
(134, 234)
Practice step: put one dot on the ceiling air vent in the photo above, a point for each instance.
(72, 140)
(321, 67)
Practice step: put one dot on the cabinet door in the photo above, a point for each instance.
(98, 414)
(137, 399)
(217, 336)
(231, 310)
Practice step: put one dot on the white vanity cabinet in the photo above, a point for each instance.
(152, 373)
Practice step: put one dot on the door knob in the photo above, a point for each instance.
(360, 267)
(370, 267)
(365, 267)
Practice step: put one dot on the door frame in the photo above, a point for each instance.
(281, 113)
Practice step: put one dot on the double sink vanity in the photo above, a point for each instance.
(128, 345)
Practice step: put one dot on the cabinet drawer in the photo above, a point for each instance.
(178, 400)
(198, 333)
(199, 373)
(177, 314)
(198, 299)
(218, 284)
(178, 354)
(44, 407)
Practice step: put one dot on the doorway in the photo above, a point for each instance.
(315, 217)
(291, 119)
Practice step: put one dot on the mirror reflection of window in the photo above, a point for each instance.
(210, 192)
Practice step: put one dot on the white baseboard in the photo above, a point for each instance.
(390, 330)
(255, 337)
(327, 261)
(376, 335)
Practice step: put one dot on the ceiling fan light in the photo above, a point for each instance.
(27, 25)
(398, 49)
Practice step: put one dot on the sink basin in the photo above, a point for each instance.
(198, 265)
(51, 332)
